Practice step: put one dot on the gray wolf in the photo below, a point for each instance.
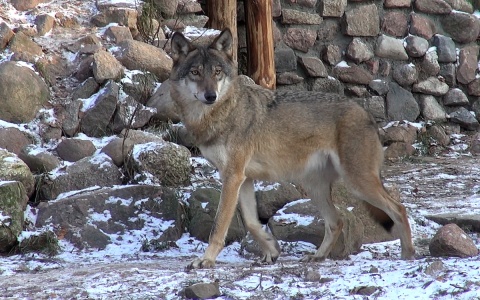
(251, 133)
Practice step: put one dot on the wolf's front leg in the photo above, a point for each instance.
(223, 218)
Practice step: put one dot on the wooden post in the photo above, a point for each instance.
(223, 14)
(261, 62)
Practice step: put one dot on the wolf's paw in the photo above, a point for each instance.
(312, 258)
(201, 263)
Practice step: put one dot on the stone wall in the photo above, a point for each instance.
(411, 60)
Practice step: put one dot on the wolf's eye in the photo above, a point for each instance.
(194, 72)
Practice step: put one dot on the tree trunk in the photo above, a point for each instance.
(261, 63)
(223, 14)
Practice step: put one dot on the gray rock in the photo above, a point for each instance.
(391, 48)
(380, 87)
(285, 60)
(135, 55)
(71, 122)
(13, 201)
(296, 17)
(431, 86)
(106, 67)
(465, 221)
(422, 26)
(141, 137)
(397, 3)
(332, 54)
(13, 168)
(75, 149)
(416, 46)
(333, 8)
(358, 25)
(118, 150)
(311, 227)
(300, 39)
(474, 87)
(163, 163)
(449, 74)
(22, 93)
(463, 117)
(314, 66)
(405, 74)
(38, 159)
(455, 97)
(202, 208)
(445, 48)
(467, 64)
(273, 196)
(86, 89)
(359, 51)
(395, 23)
(401, 105)
(288, 78)
(461, 5)
(327, 85)
(429, 65)
(352, 74)
(202, 291)
(431, 109)
(452, 241)
(168, 8)
(130, 114)
(434, 7)
(98, 170)
(117, 34)
(462, 27)
(376, 106)
(13, 139)
(97, 117)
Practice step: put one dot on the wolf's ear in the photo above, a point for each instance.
(224, 42)
(180, 46)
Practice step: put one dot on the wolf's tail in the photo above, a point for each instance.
(380, 216)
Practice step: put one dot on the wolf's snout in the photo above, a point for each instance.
(210, 97)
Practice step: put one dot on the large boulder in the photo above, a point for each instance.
(162, 163)
(22, 93)
(13, 201)
(13, 168)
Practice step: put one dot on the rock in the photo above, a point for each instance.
(168, 8)
(202, 208)
(395, 23)
(461, 5)
(452, 241)
(86, 89)
(23, 5)
(23, 44)
(422, 26)
(445, 48)
(13, 168)
(449, 74)
(273, 196)
(163, 163)
(13, 200)
(463, 117)
(130, 114)
(462, 27)
(140, 86)
(88, 172)
(397, 3)
(404, 134)
(288, 78)
(86, 218)
(313, 66)
(71, 122)
(163, 103)
(416, 46)
(333, 8)
(358, 25)
(438, 133)
(327, 85)
(328, 30)
(106, 66)
(135, 55)
(352, 74)
(429, 65)
(300, 39)
(45, 243)
(296, 17)
(431, 86)
(6, 35)
(359, 51)
(285, 60)
(467, 222)
(435, 268)
(202, 291)
(391, 48)
(401, 105)
(44, 24)
(97, 115)
(332, 54)
(38, 159)
(434, 7)
(141, 137)
(376, 106)
(467, 64)
(22, 93)
(117, 34)
(405, 74)
(75, 149)
(380, 87)
(13, 140)
(301, 221)
(474, 87)
(399, 150)
(188, 7)
(431, 109)
(455, 97)
(118, 150)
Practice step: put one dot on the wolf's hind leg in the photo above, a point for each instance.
(321, 196)
(248, 206)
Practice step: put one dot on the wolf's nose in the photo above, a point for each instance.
(210, 97)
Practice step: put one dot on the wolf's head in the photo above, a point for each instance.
(204, 73)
